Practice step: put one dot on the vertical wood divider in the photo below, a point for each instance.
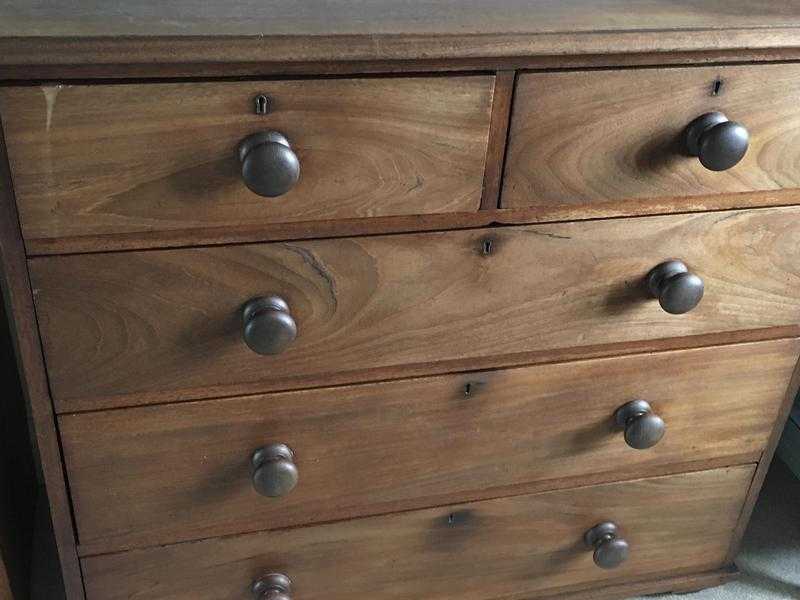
(498, 136)
(18, 299)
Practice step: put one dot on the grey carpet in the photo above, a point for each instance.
(770, 555)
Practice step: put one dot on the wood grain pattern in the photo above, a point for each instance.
(582, 137)
(271, 35)
(518, 547)
(18, 300)
(154, 326)
(137, 477)
(409, 224)
(97, 160)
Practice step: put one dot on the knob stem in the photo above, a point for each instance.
(610, 550)
(718, 142)
(270, 168)
(678, 291)
(275, 473)
(643, 428)
(268, 326)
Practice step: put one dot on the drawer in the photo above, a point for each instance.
(160, 474)
(121, 159)
(511, 548)
(154, 326)
(585, 137)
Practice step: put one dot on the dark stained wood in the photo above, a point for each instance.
(86, 72)
(17, 477)
(587, 136)
(156, 475)
(25, 338)
(270, 35)
(154, 157)
(498, 132)
(155, 326)
(764, 462)
(517, 547)
(410, 224)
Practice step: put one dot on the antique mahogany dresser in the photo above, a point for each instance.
(466, 299)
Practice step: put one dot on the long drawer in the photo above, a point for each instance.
(153, 326)
(510, 548)
(155, 475)
(588, 137)
(127, 159)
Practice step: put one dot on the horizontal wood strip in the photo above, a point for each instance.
(375, 449)
(86, 73)
(271, 52)
(571, 211)
(519, 547)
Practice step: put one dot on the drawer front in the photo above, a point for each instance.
(156, 475)
(153, 326)
(116, 159)
(591, 136)
(510, 548)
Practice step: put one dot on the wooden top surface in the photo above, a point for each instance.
(383, 17)
(190, 31)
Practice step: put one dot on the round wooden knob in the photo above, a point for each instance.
(610, 550)
(268, 326)
(718, 142)
(643, 428)
(270, 167)
(274, 471)
(678, 291)
(275, 586)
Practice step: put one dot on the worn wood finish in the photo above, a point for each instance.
(161, 157)
(137, 478)
(582, 137)
(272, 34)
(517, 547)
(18, 300)
(414, 223)
(155, 326)
(498, 133)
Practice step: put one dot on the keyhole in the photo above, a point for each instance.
(262, 104)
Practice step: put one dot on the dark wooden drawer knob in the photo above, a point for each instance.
(269, 165)
(275, 586)
(610, 550)
(718, 142)
(268, 325)
(643, 428)
(274, 471)
(678, 291)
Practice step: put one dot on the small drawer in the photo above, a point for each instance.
(156, 475)
(589, 137)
(101, 160)
(510, 548)
(128, 328)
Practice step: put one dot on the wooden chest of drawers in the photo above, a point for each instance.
(464, 299)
